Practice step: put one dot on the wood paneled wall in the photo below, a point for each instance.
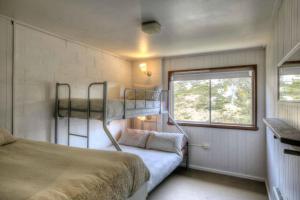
(41, 60)
(283, 170)
(5, 73)
(234, 152)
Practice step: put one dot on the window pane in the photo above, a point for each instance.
(191, 100)
(289, 87)
(231, 101)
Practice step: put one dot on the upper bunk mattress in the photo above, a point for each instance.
(115, 108)
(37, 170)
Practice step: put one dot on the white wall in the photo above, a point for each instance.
(140, 79)
(283, 170)
(41, 60)
(236, 152)
(5, 73)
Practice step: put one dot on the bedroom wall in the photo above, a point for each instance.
(41, 60)
(5, 73)
(283, 170)
(140, 79)
(235, 152)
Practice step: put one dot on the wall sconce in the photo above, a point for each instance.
(144, 69)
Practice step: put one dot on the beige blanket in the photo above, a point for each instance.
(41, 171)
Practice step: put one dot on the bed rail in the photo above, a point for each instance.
(146, 95)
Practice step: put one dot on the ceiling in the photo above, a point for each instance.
(188, 26)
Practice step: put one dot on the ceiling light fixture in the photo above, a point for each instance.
(151, 27)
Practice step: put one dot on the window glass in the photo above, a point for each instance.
(214, 96)
(231, 101)
(191, 100)
(289, 83)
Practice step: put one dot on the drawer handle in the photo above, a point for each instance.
(292, 152)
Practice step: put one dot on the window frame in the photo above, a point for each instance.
(278, 81)
(252, 127)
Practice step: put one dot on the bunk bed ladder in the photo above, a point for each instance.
(69, 110)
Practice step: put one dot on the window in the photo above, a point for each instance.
(216, 97)
(289, 82)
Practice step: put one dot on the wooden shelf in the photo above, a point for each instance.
(283, 131)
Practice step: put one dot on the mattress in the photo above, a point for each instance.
(115, 108)
(35, 170)
(160, 164)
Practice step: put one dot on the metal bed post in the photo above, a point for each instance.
(108, 133)
(57, 110)
(56, 113)
(125, 102)
(88, 115)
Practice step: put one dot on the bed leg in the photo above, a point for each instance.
(187, 157)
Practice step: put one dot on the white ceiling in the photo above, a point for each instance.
(188, 26)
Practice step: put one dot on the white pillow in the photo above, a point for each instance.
(170, 142)
(6, 137)
(135, 137)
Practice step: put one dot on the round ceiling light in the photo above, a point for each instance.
(151, 27)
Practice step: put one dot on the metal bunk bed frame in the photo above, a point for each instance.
(105, 120)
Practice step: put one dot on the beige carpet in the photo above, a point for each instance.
(198, 185)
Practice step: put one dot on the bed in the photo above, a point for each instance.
(160, 164)
(32, 170)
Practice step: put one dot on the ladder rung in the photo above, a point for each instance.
(84, 136)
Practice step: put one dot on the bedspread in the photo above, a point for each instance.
(36, 170)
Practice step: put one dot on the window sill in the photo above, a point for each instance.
(220, 126)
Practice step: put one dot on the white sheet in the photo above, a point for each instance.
(160, 164)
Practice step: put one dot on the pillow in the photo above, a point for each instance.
(134, 137)
(170, 142)
(5, 137)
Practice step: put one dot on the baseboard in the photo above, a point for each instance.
(217, 171)
(268, 189)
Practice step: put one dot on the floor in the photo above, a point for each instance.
(198, 185)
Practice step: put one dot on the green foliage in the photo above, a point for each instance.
(231, 100)
(191, 100)
(290, 87)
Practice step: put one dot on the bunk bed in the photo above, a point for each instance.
(135, 102)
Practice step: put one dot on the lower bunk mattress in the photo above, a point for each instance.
(36, 170)
(160, 164)
(116, 108)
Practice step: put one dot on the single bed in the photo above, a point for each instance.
(32, 170)
(160, 164)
